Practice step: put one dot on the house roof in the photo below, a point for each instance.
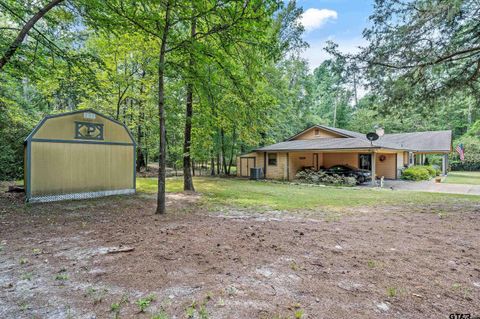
(319, 144)
(433, 141)
(421, 141)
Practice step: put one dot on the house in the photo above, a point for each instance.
(321, 146)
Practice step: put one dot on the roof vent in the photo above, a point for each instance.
(89, 115)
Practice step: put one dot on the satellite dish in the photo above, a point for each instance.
(372, 136)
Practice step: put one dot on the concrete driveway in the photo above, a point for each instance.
(431, 186)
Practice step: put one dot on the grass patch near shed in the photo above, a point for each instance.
(270, 195)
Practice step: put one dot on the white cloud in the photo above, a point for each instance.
(314, 18)
(315, 53)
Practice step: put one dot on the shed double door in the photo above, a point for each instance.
(245, 164)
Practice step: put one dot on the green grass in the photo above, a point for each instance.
(470, 178)
(268, 195)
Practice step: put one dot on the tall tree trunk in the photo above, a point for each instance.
(224, 162)
(24, 31)
(232, 152)
(140, 156)
(355, 88)
(187, 170)
(119, 102)
(212, 166)
(141, 161)
(161, 208)
(335, 114)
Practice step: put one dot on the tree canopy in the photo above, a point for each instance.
(202, 81)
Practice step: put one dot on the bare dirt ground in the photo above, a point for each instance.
(388, 262)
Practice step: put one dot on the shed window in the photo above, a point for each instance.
(272, 159)
(317, 131)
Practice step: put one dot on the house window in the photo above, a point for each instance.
(365, 161)
(317, 132)
(272, 159)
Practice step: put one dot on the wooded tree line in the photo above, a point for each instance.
(206, 80)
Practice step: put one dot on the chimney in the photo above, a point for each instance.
(380, 131)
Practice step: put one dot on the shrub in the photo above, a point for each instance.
(321, 178)
(15, 125)
(431, 170)
(465, 166)
(471, 142)
(438, 170)
(419, 173)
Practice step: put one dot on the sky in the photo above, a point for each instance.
(341, 21)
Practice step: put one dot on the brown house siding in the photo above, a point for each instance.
(331, 159)
(278, 171)
(310, 135)
(298, 160)
(386, 168)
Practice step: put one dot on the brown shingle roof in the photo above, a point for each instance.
(318, 144)
(433, 141)
(421, 141)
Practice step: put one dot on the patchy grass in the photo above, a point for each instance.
(469, 178)
(268, 195)
(144, 303)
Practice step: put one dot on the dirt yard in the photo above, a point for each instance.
(66, 260)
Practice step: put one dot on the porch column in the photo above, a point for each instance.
(444, 164)
(374, 159)
(288, 166)
(265, 165)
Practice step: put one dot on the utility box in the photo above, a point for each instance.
(256, 173)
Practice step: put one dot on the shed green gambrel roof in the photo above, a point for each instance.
(52, 116)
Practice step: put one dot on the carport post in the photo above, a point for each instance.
(374, 159)
(444, 164)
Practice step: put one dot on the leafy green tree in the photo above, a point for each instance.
(432, 44)
(332, 98)
(24, 30)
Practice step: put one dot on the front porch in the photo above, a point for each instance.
(285, 165)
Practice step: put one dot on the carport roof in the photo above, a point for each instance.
(432, 141)
(319, 144)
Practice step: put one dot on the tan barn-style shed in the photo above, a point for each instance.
(76, 155)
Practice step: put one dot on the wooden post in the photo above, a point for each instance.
(265, 159)
(288, 166)
(374, 159)
(444, 164)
